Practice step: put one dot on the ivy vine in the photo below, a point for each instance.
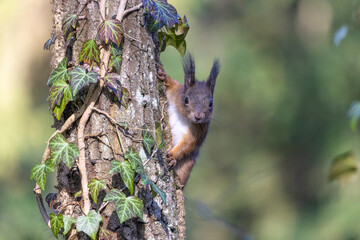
(67, 84)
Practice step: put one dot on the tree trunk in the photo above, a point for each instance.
(146, 105)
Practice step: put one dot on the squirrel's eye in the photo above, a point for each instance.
(186, 100)
(211, 103)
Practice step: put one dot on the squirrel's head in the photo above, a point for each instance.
(197, 95)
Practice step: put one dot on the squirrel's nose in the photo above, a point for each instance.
(198, 116)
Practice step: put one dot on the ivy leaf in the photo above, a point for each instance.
(116, 59)
(106, 234)
(69, 23)
(49, 42)
(60, 150)
(148, 4)
(115, 51)
(135, 160)
(95, 186)
(344, 168)
(125, 98)
(116, 63)
(111, 30)
(112, 82)
(158, 191)
(68, 222)
(89, 224)
(60, 95)
(59, 73)
(175, 36)
(56, 223)
(159, 137)
(80, 79)
(148, 140)
(57, 93)
(89, 52)
(126, 172)
(146, 181)
(165, 13)
(126, 207)
(40, 171)
(77, 194)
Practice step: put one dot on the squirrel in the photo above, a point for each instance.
(190, 108)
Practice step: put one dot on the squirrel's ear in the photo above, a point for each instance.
(189, 70)
(213, 75)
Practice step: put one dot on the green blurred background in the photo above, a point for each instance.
(281, 104)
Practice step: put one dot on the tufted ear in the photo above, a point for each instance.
(213, 75)
(189, 70)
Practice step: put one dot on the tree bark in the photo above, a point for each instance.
(147, 103)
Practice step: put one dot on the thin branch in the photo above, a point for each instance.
(131, 38)
(113, 121)
(82, 9)
(137, 7)
(121, 10)
(102, 6)
(120, 141)
(152, 155)
(104, 56)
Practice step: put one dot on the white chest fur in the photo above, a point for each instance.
(179, 124)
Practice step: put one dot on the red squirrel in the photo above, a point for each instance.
(190, 108)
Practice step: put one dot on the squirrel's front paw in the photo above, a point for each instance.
(171, 159)
(161, 74)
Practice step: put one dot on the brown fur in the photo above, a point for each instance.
(198, 112)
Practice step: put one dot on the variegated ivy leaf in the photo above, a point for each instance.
(89, 224)
(105, 234)
(126, 207)
(158, 190)
(146, 181)
(56, 93)
(61, 150)
(126, 172)
(77, 194)
(56, 223)
(148, 140)
(125, 98)
(112, 82)
(59, 74)
(80, 79)
(89, 52)
(40, 171)
(175, 36)
(164, 13)
(159, 137)
(49, 42)
(60, 95)
(68, 222)
(116, 63)
(69, 23)
(135, 160)
(95, 186)
(111, 30)
(148, 4)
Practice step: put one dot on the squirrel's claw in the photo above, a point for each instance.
(161, 74)
(171, 159)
